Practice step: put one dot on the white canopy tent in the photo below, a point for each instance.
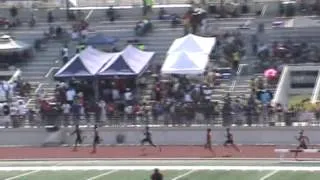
(7, 44)
(193, 43)
(185, 63)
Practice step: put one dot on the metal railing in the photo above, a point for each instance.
(184, 119)
(101, 3)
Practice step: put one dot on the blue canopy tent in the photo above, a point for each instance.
(129, 62)
(84, 65)
(101, 39)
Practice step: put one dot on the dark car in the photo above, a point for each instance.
(4, 22)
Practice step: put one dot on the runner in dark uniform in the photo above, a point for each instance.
(96, 139)
(230, 141)
(208, 144)
(303, 141)
(78, 140)
(148, 139)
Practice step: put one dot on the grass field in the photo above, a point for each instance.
(174, 169)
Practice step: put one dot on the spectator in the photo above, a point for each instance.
(59, 31)
(102, 107)
(14, 115)
(66, 109)
(6, 115)
(175, 20)
(13, 11)
(187, 21)
(76, 112)
(156, 175)
(111, 14)
(147, 7)
(70, 95)
(128, 96)
(4, 91)
(50, 17)
(163, 15)
(65, 54)
(129, 113)
(110, 111)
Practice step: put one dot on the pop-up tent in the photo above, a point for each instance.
(129, 62)
(101, 39)
(193, 43)
(8, 45)
(85, 65)
(185, 63)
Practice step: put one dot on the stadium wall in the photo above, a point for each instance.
(163, 136)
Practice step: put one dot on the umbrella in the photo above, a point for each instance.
(270, 73)
(8, 45)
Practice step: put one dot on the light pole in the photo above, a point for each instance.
(222, 8)
(67, 8)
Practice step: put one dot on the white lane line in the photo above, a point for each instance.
(32, 172)
(50, 71)
(89, 14)
(148, 168)
(103, 174)
(269, 175)
(184, 175)
(22, 175)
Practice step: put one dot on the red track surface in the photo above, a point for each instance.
(135, 152)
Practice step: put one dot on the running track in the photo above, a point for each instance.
(135, 152)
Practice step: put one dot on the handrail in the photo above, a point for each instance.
(15, 76)
(280, 85)
(315, 93)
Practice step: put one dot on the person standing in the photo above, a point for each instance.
(147, 7)
(156, 175)
(65, 54)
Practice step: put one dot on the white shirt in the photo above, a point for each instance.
(84, 32)
(2, 95)
(74, 35)
(22, 109)
(187, 97)
(207, 93)
(115, 94)
(70, 94)
(65, 52)
(128, 96)
(66, 108)
(13, 110)
(129, 110)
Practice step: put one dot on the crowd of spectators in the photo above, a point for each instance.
(13, 98)
(279, 53)
(176, 100)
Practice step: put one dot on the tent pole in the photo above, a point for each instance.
(96, 89)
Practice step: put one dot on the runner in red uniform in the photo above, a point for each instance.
(208, 144)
